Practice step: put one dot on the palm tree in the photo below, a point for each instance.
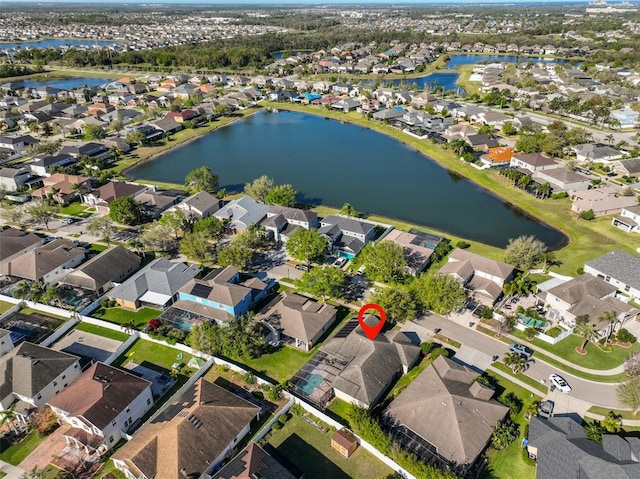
(608, 317)
(548, 260)
(516, 362)
(610, 138)
(129, 326)
(588, 332)
(506, 325)
(611, 422)
(530, 332)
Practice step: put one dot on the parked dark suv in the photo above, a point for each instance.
(521, 349)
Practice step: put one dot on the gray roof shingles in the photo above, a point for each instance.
(618, 264)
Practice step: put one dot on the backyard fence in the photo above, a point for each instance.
(64, 329)
(546, 338)
(122, 348)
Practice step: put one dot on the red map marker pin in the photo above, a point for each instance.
(371, 331)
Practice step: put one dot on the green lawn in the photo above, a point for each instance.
(140, 318)
(109, 467)
(280, 365)
(561, 366)
(73, 209)
(595, 357)
(512, 462)
(310, 450)
(101, 331)
(338, 410)
(158, 354)
(5, 306)
(97, 248)
(15, 454)
(42, 313)
(624, 414)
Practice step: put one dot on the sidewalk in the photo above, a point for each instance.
(11, 472)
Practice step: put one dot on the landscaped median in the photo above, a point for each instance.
(602, 378)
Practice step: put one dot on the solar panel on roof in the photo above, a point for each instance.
(344, 332)
(201, 290)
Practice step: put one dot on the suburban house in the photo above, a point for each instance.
(11, 179)
(14, 242)
(242, 213)
(90, 148)
(606, 200)
(43, 164)
(497, 157)
(110, 191)
(563, 179)
(103, 270)
(618, 268)
(282, 221)
(344, 442)
(190, 437)
(63, 188)
(626, 117)
(154, 203)
(16, 144)
(370, 367)
(101, 406)
(200, 205)
(460, 131)
(253, 462)
(445, 415)
(157, 284)
(30, 375)
(46, 263)
(221, 296)
(347, 236)
(484, 277)
(297, 320)
(629, 219)
(481, 142)
(562, 450)
(585, 295)
(6, 341)
(532, 162)
(627, 167)
(418, 248)
(596, 152)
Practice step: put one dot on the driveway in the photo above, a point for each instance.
(48, 450)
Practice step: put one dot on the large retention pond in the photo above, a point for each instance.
(332, 163)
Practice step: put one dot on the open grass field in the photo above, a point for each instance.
(150, 352)
(5, 306)
(121, 316)
(310, 450)
(104, 332)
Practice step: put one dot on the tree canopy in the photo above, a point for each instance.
(524, 252)
(259, 188)
(306, 245)
(283, 195)
(202, 179)
(385, 261)
(125, 210)
(440, 293)
(327, 282)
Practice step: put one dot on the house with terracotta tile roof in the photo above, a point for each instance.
(64, 188)
(497, 157)
(191, 436)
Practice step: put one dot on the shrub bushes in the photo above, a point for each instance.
(587, 215)
(554, 332)
(560, 195)
(625, 336)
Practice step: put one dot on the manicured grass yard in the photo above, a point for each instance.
(140, 318)
(42, 313)
(595, 357)
(73, 209)
(624, 414)
(163, 356)
(512, 462)
(4, 306)
(109, 467)
(15, 454)
(101, 331)
(280, 365)
(521, 377)
(310, 450)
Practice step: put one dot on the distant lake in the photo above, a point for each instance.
(280, 55)
(332, 163)
(457, 60)
(56, 43)
(65, 83)
(430, 81)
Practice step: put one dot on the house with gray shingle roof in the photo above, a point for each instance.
(449, 416)
(14, 242)
(562, 451)
(629, 219)
(200, 205)
(156, 284)
(596, 152)
(6, 342)
(298, 321)
(370, 366)
(242, 213)
(629, 167)
(347, 236)
(30, 375)
(618, 268)
(100, 273)
(587, 295)
(282, 221)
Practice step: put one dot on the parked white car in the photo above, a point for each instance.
(559, 382)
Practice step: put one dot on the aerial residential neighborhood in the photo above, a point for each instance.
(348, 241)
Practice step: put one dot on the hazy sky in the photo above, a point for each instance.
(289, 2)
